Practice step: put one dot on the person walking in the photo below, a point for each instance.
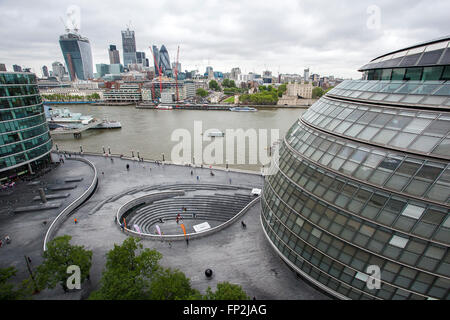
(7, 239)
(187, 241)
(128, 167)
(75, 220)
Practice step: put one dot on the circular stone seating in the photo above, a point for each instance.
(215, 204)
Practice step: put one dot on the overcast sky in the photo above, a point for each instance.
(284, 36)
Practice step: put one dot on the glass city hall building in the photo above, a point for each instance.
(25, 142)
(363, 182)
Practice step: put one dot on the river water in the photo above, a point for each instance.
(150, 132)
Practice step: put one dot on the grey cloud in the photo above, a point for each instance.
(330, 37)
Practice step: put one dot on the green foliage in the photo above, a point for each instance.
(66, 97)
(229, 100)
(201, 92)
(317, 92)
(129, 272)
(172, 285)
(282, 89)
(8, 290)
(226, 291)
(265, 96)
(227, 83)
(59, 256)
(213, 85)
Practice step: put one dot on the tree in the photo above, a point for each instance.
(201, 92)
(213, 85)
(226, 291)
(317, 92)
(282, 89)
(60, 254)
(129, 272)
(8, 290)
(172, 285)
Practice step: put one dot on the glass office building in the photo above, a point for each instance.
(25, 142)
(129, 47)
(77, 54)
(363, 182)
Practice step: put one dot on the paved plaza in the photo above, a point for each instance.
(237, 255)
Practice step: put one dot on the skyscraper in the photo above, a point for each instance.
(114, 57)
(129, 47)
(77, 54)
(2, 67)
(140, 58)
(45, 71)
(156, 59)
(164, 61)
(58, 69)
(306, 74)
(358, 202)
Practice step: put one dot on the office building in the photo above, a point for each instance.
(129, 47)
(77, 54)
(25, 142)
(2, 67)
(114, 56)
(358, 203)
(45, 72)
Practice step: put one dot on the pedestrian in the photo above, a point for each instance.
(128, 167)
(7, 239)
(170, 244)
(112, 160)
(122, 226)
(44, 223)
(187, 241)
(75, 220)
(103, 173)
(29, 259)
(243, 224)
(198, 178)
(192, 172)
(230, 180)
(1, 243)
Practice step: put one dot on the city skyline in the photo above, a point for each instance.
(286, 38)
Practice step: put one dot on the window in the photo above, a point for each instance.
(398, 73)
(413, 211)
(413, 74)
(398, 241)
(432, 73)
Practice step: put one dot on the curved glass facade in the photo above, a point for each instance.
(363, 183)
(24, 133)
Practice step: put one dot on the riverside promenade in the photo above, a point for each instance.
(237, 255)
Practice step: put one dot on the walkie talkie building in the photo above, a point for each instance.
(363, 182)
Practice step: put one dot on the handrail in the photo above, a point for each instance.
(75, 204)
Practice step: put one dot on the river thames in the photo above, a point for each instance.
(154, 132)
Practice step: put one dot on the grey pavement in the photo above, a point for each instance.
(241, 256)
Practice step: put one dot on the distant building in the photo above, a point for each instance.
(306, 75)
(123, 92)
(235, 72)
(77, 54)
(114, 56)
(45, 71)
(297, 94)
(140, 58)
(129, 47)
(17, 68)
(267, 76)
(58, 69)
(164, 61)
(2, 67)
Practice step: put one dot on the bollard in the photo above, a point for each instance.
(42, 195)
(163, 156)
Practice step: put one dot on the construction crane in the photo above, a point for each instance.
(176, 73)
(159, 71)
